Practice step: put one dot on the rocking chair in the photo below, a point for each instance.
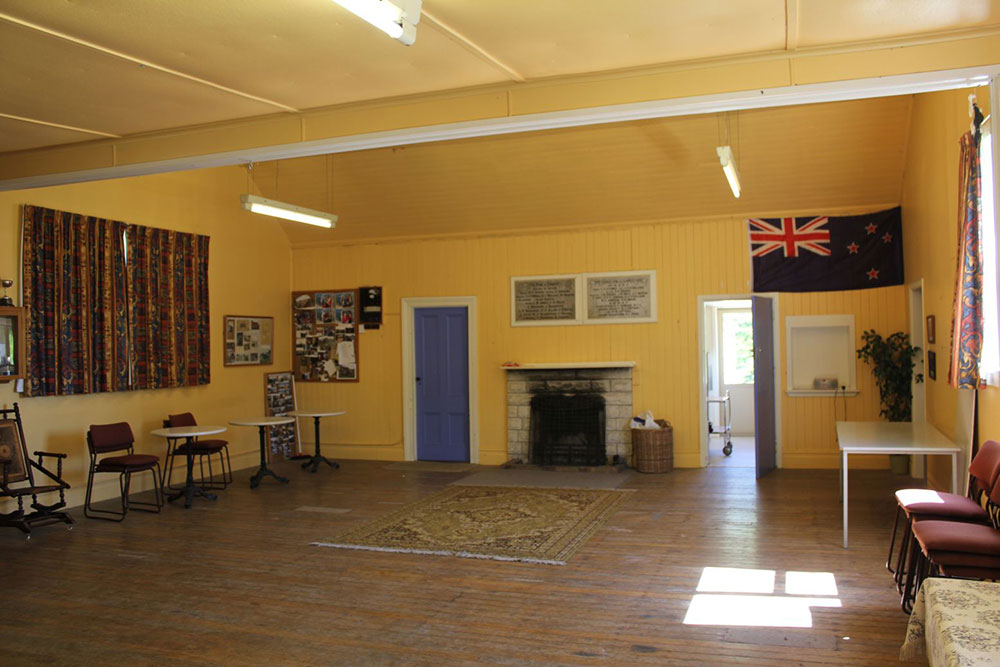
(18, 479)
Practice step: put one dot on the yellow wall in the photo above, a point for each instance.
(249, 274)
(930, 218)
(692, 258)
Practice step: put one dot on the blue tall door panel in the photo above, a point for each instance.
(442, 363)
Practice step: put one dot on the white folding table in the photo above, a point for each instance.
(892, 438)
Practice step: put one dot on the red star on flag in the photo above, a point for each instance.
(887, 238)
(853, 248)
(873, 274)
(871, 228)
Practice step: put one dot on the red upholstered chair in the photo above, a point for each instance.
(921, 504)
(103, 439)
(940, 547)
(204, 449)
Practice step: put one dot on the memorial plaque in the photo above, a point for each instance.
(544, 300)
(624, 297)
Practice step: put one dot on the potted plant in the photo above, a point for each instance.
(891, 360)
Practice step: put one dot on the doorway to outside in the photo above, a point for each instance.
(738, 378)
(728, 328)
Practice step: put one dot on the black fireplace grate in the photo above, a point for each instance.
(567, 429)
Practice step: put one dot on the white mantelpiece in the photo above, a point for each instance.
(570, 365)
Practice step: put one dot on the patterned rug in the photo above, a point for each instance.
(531, 525)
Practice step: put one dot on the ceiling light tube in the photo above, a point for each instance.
(729, 167)
(398, 19)
(278, 209)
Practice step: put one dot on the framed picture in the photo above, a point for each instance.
(324, 335)
(12, 452)
(279, 400)
(248, 340)
(931, 365)
(930, 329)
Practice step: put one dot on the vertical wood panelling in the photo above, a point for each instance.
(690, 257)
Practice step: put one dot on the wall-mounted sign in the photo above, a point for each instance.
(586, 298)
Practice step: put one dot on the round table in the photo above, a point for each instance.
(318, 458)
(189, 433)
(262, 423)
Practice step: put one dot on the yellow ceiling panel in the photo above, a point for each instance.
(49, 79)
(559, 37)
(17, 135)
(813, 158)
(822, 23)
(305, 54)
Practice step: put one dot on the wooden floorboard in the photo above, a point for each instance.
(235, 581)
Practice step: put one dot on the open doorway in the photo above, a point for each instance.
(729, 382)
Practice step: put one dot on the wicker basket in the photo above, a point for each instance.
(653, 449)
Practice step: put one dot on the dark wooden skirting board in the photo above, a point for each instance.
(235, 581)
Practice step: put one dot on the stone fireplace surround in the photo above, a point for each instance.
(612, 380)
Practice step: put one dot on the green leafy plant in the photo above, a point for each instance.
(891, 360)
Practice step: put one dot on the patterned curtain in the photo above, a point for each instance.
(112, 306)
(168, 277)
(967, 318)
(74, 296)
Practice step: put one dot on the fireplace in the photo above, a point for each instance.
(609, 383)
(567, 429)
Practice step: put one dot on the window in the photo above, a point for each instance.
(989, 365)
(736, 331)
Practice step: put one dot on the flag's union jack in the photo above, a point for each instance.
(767, 237)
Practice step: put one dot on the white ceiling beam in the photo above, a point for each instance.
(145, 63)
(903, 84)
(35, 121)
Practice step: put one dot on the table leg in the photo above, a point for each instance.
(954, 473)
(264, 470)
(843, 476)
(318, 458)
(190, 489)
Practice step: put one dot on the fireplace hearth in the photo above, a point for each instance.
(610, 382)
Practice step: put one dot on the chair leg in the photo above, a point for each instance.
(108, 515)
(909, 592)
(904, 546)
(892, 540)
(157, 503)
(229, 465)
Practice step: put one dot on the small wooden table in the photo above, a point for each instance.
(318, 458)
(892, 438)
(189, 433)
(262, 423)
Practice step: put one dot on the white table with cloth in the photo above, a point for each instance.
(955, 622)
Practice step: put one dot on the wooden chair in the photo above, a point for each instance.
(109, 438)
(18, 479)
(204, 449)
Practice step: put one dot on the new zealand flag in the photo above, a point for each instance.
(825, 254)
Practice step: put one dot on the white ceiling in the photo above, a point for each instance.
(78, 70)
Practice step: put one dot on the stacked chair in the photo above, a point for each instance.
(204, 449)
(947, 534)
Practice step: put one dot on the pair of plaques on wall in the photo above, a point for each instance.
(583, 298)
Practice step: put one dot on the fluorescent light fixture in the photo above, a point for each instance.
(398, 18)
(278, 209)
(729, 166)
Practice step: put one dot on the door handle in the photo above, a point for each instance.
(418, 379)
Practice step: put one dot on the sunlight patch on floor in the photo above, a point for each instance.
(730, 597)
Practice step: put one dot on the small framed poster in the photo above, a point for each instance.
(248, 340)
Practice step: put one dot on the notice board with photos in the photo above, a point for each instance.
(325, 335)
(279, 400)
(618, 297)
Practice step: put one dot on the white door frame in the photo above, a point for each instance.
(410, 370)
(915, 297)
(703, 371)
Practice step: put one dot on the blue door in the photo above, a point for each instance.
(442, 363)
